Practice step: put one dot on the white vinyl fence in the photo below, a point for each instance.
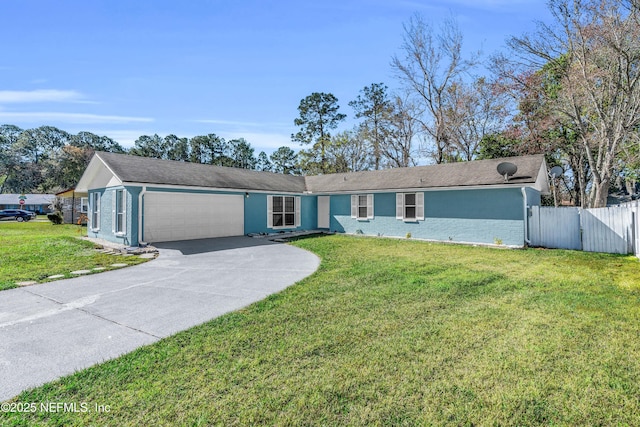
(614, 230)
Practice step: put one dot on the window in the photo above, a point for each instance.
(283, 211)
(410, 206)
(121, 211)
(95, 211)
(84, 202)
(362, 206)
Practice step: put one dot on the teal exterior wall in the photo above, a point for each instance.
(130, 237)
(255, 213)
(468, 216)
(533, 197)
(471, 216)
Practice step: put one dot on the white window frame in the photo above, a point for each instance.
(84, 204)
(362, 207)
(418, 205)
(119, 224)
(295, 212)
(95, 211)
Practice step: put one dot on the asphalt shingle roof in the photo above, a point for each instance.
(463, 174)
(31, 199)
(154, 171)
(476, 173)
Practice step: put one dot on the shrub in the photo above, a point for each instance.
(55, 217)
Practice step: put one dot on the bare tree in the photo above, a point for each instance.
(474, 110)
(597, 45)
(431, 64)
(399, 147)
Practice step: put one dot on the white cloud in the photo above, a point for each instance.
(74, 118)
(262, 141)
(262, 136)
(41, 95)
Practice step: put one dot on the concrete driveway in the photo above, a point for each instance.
(57, 328)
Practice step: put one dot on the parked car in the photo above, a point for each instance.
(17, 214)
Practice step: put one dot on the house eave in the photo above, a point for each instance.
(150, 186)
(426, 189)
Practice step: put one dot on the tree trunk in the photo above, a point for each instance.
(599, 193)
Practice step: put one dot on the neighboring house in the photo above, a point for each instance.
(38, 203)
(75, 206)
(134, 199)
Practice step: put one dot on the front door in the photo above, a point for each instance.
(323, 212)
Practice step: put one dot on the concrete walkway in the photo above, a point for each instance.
(56, 328)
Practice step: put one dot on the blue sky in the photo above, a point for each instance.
(238, 68)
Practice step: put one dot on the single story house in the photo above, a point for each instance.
(136, 199)
(75, 206)
(38, 203)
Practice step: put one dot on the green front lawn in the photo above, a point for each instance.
(391, 332)
(33, 251)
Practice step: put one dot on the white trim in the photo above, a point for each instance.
(97, 201)
(84, 203)
(297, 209)
(415, 190)
(329, 193)
(525, 207)
(399, 205)
(418, 205)
(140, 215)
(113, 211)
(369, 206)
(120, 193)
(151, 188)
(354, 206)
(269, 211)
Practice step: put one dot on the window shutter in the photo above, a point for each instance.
(420, 206)
(114, 195)
(369, 206)
(97, 200)
(354, 206)
(124, 210)
(91, 209)
(298, 208)
(269, 211)
(399, 206)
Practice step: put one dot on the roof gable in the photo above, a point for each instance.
(98, 175)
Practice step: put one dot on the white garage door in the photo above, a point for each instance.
(179, 216)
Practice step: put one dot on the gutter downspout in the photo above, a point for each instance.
(73, 207)
(526, 216)
(140, 208)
